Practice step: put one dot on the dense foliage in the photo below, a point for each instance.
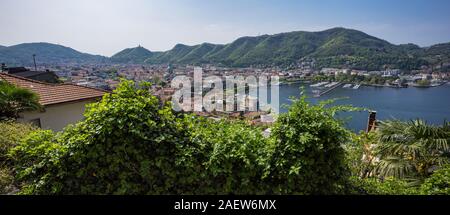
(307, 156)
(231, 157)
(438, 182)
(131, 144)
(11, 134)
(387, 186)
(126, 144)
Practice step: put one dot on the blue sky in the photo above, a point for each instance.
(107, 26)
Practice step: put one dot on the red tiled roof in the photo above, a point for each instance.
(54, 93)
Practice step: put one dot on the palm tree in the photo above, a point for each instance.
(14, 100)
(411, 149)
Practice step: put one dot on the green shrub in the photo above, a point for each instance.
(233, 154)
(6, 179)
(306, 153)
(438, 183)
(36, 154)
(127, 144)
(388, 186)
(11, 134)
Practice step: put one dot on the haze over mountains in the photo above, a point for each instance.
(337, 47)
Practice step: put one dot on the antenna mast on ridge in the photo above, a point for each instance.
(34, 60)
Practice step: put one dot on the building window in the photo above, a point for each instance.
(36, 122)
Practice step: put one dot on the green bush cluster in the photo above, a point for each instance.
(231, 157)
(376, 186)
(11, 134)
(438, 183)
(129, 143)
(126, 144)
(306, 150)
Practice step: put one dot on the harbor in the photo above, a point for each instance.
(404, 104)
(323, 88)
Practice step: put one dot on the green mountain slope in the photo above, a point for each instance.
(132, 55)
(337, 47)
(171, 56)
(22, 54)
(436, 52)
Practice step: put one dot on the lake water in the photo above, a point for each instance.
(430, 104)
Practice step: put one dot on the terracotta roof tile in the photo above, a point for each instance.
(54, 93)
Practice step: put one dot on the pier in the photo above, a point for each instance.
(319, 94)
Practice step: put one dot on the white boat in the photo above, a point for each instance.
(318, 84)
(347, 86)
(332, 84)
(356, 86)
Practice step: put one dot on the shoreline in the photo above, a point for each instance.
(368, 85)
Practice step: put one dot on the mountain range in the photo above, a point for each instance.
(336, 47)
(46, 53)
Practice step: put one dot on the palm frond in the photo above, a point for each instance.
(410, 148)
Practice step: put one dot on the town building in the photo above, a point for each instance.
(63, 104)
(45, 76)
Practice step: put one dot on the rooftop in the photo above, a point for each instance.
(29, 73)
(50, 94)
